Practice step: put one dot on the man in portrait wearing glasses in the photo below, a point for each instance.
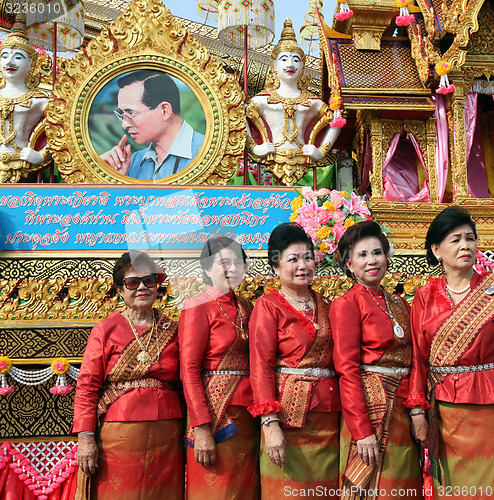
(149, 109)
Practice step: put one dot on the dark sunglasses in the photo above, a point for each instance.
(150, 281)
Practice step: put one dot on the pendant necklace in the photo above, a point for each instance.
(305, 307)
(397, 328)
(244, 334)
(144, 357)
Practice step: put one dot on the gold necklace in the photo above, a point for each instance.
(144, 357)
(305, 308)
(245, 336)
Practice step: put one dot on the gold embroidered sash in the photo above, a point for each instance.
(127, 368)
(219, 389)
(294, 390)
(380, 398)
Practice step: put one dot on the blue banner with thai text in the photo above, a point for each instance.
(70, 217)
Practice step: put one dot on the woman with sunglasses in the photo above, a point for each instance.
(127, 409)
(222, 456)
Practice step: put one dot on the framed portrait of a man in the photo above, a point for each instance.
(147, 124)
(146, 104)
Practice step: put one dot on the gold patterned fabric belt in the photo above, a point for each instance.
(225, 372)
(461, 369)
(386, 370)
(143, 382)
(308, 372)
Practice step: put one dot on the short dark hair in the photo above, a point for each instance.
(132, 259)
(353, 235)
(214, 246)
(282, 237)
(158, 87)
(449, 219)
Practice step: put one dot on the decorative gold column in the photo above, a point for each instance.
(456, 127)
(376, 174)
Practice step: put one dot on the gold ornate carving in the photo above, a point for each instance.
(413, 283)
(376, 175)
(482, 41)
(459, 157)
(468, 22)
(367, 39)
(146, 36)
(367, 26)
(430, 25)
(418, 56)
(430, 157)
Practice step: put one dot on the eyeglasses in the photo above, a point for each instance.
(150, 281)
(130, 115)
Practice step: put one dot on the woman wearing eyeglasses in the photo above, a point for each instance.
(222, 437)
(127, 411)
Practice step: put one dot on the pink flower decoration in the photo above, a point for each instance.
(323, 217)
(355, 205)
(343, 16)
(59, 389)
(404, 20)
(6, 390)
(446, 90)
(59, 366)
(337, 231)
(338, 216)
(319, 256)
(337, 199)
(338, 122)
(3, 365)
(323, 192)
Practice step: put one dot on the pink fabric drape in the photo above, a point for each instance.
(424, 193)
(476, 169)
(442, 144)
(400, 178)
(12, 488)
(470, 119)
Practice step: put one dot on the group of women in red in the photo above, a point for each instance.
(295, 396)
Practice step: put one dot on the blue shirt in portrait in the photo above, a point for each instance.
(144, 164)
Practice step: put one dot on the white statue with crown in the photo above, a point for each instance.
(22, 106)
(288, 127)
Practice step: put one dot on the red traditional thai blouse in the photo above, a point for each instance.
(279, 331)
(362, 333)
(205, 334)
(431, 307)
(105, 345)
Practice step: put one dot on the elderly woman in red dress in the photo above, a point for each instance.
(222, 438)
(127, 410)
(453, 361)
(372, 356)
(292, 376)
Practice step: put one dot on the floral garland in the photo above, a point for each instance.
(60, 367)
(326, 215)
(484, 263)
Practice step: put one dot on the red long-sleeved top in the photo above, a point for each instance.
(105, 345)
(430, 309)
(362, 333)
(277, 332)
(205, 334)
